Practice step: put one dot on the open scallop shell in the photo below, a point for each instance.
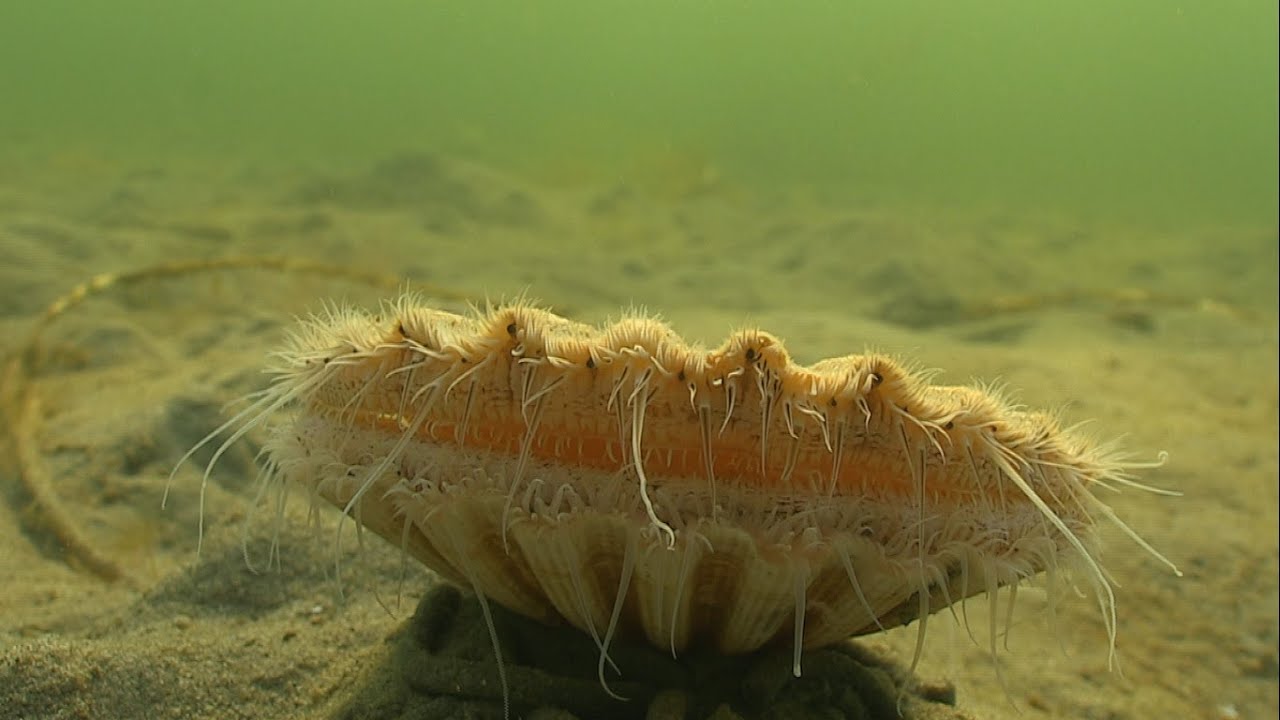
(627, 483)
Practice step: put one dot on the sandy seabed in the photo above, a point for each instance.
(1167, 338)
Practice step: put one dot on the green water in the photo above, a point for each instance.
(1162, 112)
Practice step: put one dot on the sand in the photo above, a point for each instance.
(1165, 336)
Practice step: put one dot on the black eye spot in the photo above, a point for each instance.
(511, 329)
(591, 363)
(833, 402)
(876, 379)
(949, 425)
(751, 355)
(681, 376)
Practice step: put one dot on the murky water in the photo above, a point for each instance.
(1146, 109)
(1077, 200)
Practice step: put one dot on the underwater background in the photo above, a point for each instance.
(1150, 110)
(1077, 200)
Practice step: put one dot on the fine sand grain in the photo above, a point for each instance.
(1168, 338)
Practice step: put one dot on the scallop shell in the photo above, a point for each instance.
(625, 482)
